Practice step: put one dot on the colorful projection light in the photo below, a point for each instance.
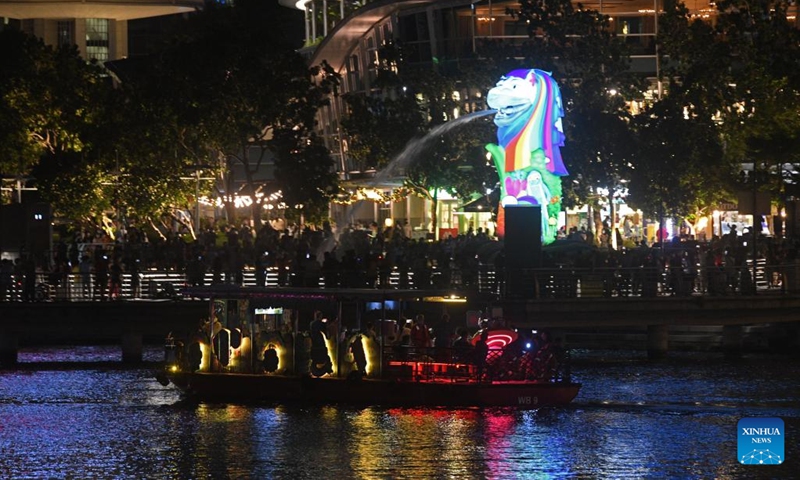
(527, 155)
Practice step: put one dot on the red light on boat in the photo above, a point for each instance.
(497, 339)
(498, 342)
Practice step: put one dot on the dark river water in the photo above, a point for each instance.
(632, 419)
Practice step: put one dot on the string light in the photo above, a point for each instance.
(378, 196)
(268, 202)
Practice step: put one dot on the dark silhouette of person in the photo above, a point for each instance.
(420, 337)
(270, 359)
(462, 347)
(29, 283)
(195, 356)
(320, 361)
(480, 353)
(359, 355)
(260, 271)
(443, 336)
(101, 276)
(136, 282)
(116, 280)
(443, 339)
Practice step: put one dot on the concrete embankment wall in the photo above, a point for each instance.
(777, 338)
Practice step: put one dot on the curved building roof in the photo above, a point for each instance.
(111, 9)
(336, 47)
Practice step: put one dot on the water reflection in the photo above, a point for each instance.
(671, 420)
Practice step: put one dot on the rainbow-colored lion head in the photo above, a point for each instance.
(529, 111)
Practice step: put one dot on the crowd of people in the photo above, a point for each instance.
(366, 256)
(360, 256)
(681, 266)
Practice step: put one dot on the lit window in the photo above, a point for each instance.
(97, 39)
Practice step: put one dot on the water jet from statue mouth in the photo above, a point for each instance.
(387, 176)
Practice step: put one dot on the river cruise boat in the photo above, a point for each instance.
(343, 346)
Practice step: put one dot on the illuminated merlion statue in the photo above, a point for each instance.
(529, 137)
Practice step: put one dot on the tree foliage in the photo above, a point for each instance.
(453, 159)
(379, 127)
(592, 66)
(227, 93)
(50, 106)
(680, 169)
(744, 71)
(234, 96)
(408, 125)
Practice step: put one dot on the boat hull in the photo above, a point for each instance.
(277, 388)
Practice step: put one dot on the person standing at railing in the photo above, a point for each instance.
(29, 281)
(136, 282)
(443, 334)
(101, 277)
(115, 291)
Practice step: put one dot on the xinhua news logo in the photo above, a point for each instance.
(761, 441)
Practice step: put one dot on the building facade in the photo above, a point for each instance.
(348, 35)
(100, 29)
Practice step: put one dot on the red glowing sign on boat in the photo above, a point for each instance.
(497, 339)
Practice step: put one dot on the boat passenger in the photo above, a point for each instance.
(462, 347)
(359, 356)
(270, 359)
(443, 335)
(462, 338)
(443, 339)
(115, 289)
(420, 337)
(480, 353)
(320, 360)
(302, 353)
(195, 356)
(403, 342)
(405, 334)
(483, 325)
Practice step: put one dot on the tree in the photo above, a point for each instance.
(411, 129)
(145, 171)
(682, 170)
(241, 96)
(454, 162)
(52, 101)
(378, 127)
(592, 67)
(742, 70)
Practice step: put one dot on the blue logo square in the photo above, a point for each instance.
(761, 441)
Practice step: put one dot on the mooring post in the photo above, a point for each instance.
(9, 347)
(132, 347)
(732, 340)
(657, 341)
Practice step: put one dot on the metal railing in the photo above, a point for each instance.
(654, 281)
(558, 282)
